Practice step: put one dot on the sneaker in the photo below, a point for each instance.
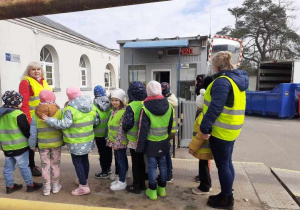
(46, 190)
(114, 182)
(161, 191)
(56, 188)
(118, 186)
(197, 179)
(196, 191)
(170, 178)
(36, 171)
(114, 177)
(101, 175)
(34, 186)
(133, 189)
(81, 190)
(13, 188)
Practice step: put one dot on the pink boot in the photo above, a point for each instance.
(81, 190)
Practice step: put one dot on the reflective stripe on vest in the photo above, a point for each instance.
(229, 123)
(48, 137)
(36, 88)
(136, 107)
(101, 127)
(82, 129)
(114, 124)
(174, 122)
(158, 125)
(205, 147)
(11, 137)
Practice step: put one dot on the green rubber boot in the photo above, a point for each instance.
(161, 191)
(152, 194)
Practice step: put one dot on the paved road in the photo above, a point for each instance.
(275, 142)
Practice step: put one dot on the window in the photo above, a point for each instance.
(139, 73)
(83, 72)
(107, 77)
(48, 65)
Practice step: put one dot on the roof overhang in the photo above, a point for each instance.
(157, 44)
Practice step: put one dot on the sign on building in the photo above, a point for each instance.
(12, 57)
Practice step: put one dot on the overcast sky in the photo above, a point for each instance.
(164, 19)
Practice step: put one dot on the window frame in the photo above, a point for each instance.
(83, 69)
(44, 65)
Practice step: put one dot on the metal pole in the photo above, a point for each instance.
(178, 96)
(132, 67)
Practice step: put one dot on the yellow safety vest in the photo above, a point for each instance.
(136, 107)
(101, 127)
(11, 137)
(48, 137)
(158, 125)
(82, 130)
(36, 88)
(229, 124)
(114, 124)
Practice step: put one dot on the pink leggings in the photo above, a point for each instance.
(50, 161)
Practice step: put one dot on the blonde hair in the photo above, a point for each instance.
(30, 65)
(222, 61)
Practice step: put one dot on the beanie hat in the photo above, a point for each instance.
(200, 99)
(73, 92)
(153, 88)
(165, 87)
(119, 94)
(137, 91)
(47, 96)
(99, 91)
(12, 98)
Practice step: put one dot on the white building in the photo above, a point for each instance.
(68, 58)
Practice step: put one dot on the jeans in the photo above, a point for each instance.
(204, 176)
(9, 167)
(138, 168)
(105, 154)
(169, 163)
(82, 167)
(152, 166)
(222, 151)
(121, 158)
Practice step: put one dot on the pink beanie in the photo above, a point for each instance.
(47, 96)
(153, 88)
(73, 92)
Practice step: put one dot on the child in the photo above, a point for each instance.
(14, 131)
(155, 127)
(174, 103)
(78, 133)
(48, 140)
(200, 149)
(117, 138)
(137, 94)
(102, 106)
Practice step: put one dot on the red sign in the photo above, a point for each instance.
(186, 51)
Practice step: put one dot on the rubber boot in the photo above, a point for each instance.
(161, 191)
(152, 194)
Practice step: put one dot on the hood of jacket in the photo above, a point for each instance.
(102, 102)
(157, 107)
(46, 109)
(136, 91)
(173, 100)
(82, 103)
(240, 77)
(4, 111)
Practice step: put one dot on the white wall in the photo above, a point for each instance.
(22, 41)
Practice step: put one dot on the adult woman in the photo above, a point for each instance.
(224, 113)
(32, 84)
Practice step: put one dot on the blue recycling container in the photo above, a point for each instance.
(281, 101)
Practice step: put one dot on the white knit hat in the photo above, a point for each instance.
(200, 99)
(119, 94)
(153, 88)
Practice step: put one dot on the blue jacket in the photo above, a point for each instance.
(221, 95)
